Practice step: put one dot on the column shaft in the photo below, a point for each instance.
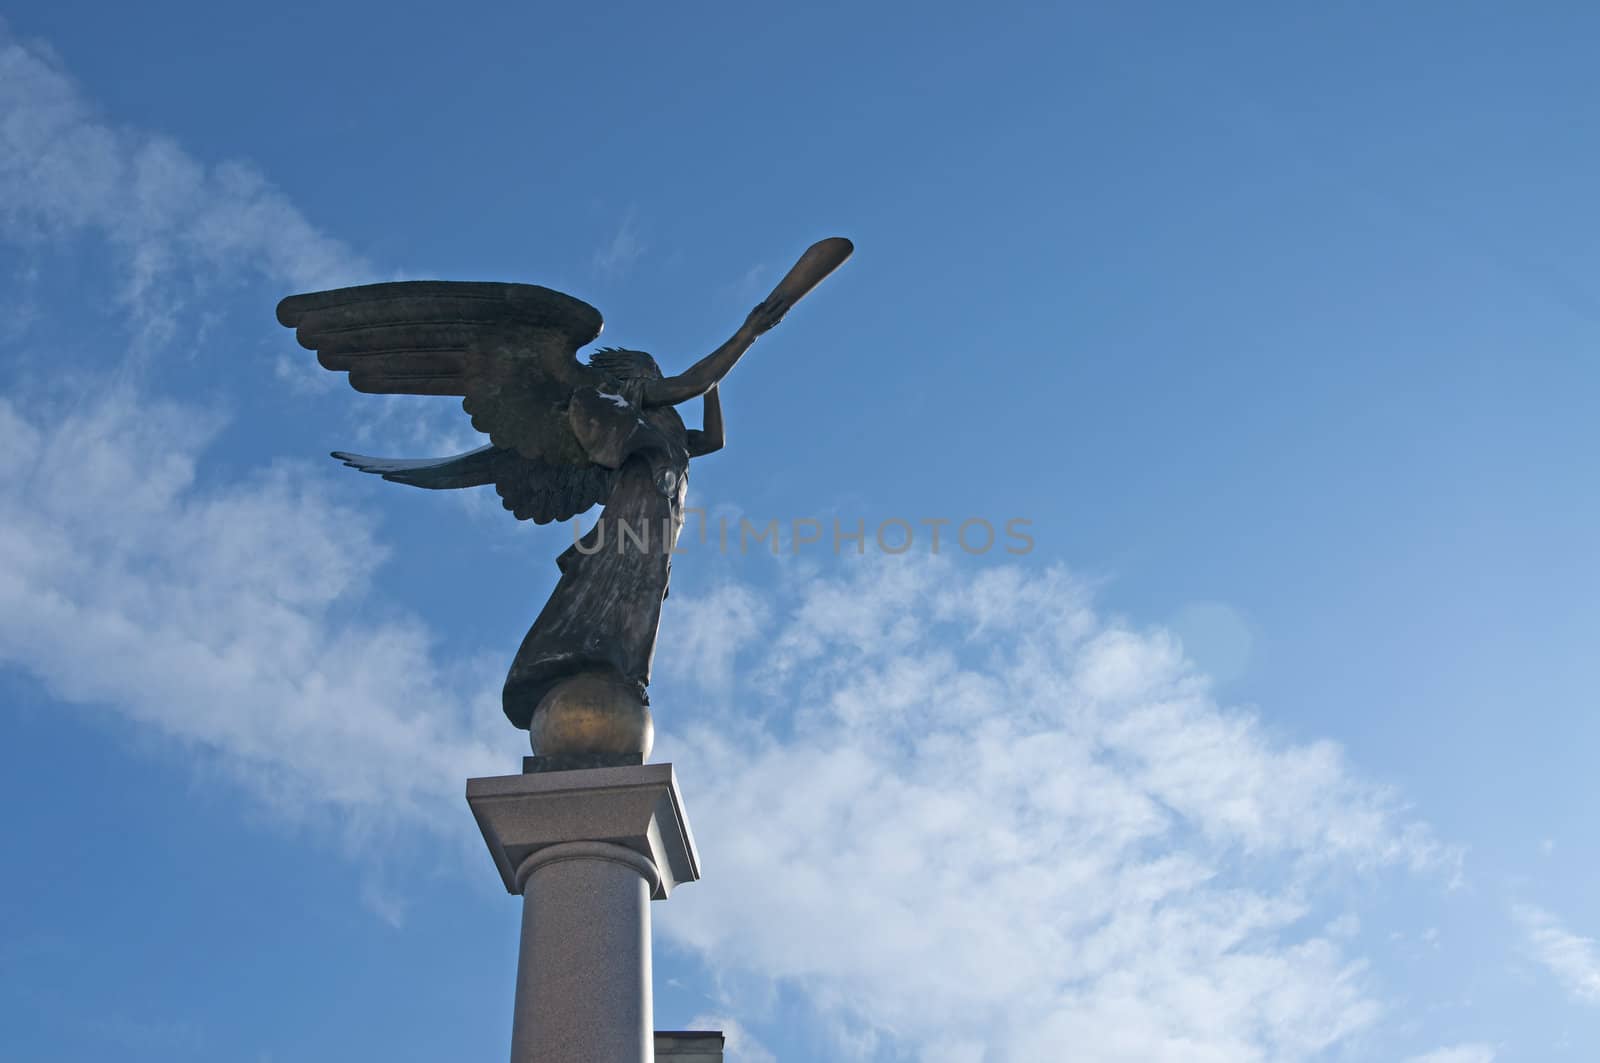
(583, 971)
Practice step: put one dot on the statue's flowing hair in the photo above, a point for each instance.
(625, 364)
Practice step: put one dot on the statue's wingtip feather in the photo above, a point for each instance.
(289, 311)
(360, 462)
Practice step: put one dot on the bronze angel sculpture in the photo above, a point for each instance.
(564, 436)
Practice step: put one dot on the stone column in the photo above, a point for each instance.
(588, 850)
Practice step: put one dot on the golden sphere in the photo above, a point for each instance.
(592, 712)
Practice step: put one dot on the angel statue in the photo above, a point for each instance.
(564, 436)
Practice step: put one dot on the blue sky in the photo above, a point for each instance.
(1277, 324)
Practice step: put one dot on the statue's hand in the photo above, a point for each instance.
(766, 314)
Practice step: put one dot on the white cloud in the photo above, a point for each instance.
(749, 284)
(1574, 960)
(176, 232)
(383, 902)
(232, 618)
(713, 629)
(225, 617)
(623, 249)
(1475, 1053)
(176, 225)
(740, 1046)
(996, 825)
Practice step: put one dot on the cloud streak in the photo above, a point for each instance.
(1474, 1053)
(622, 250)
(175, 225)
(1574, 960)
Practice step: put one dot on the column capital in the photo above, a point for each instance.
(616, 854)
(637, 807)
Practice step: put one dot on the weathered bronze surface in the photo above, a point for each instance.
(564, 436)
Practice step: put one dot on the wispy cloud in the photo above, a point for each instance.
(224, 617)
(1475, 1053)
(750, 282)
(1574, 960)
(623, 249)
(228, 617)
(176, 233)
(741, 1045)
(711, 631)
(176, 225)
(996, 824)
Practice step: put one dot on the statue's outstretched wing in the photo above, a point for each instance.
(509, 350)
(532, 489)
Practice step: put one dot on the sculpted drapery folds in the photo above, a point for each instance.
(564, 435)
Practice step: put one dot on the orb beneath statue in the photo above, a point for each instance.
(592, 713)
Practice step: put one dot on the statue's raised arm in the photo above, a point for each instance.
(820, 259)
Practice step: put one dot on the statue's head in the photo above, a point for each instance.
(624, 364)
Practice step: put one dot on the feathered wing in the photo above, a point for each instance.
(540, 492)
(509, 351)
(475, 468)
(533, 490)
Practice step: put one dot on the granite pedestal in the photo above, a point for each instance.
(587, 850)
